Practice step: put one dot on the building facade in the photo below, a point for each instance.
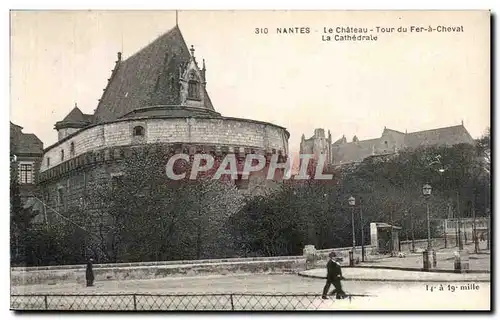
(26, 152)
(343, 152)
(158, 96)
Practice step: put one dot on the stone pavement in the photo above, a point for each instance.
(480, 262)
(371, 274)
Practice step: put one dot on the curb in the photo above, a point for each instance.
(300, 274)
(422, 269)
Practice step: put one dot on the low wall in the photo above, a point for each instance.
(344, 252)
(158, 263)
(102, 273)
(161, 269)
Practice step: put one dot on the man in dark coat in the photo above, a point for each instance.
(334, 275)
(89, 273)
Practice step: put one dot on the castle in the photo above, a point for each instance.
(157, 96)
(343, 152)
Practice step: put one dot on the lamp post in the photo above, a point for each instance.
(408, 214)
(474, 229)
(445, 225)
(459, 224)
(427, 189)
(352, 203)
(488, 230)
(362, 234)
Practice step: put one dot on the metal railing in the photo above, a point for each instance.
(168, 302)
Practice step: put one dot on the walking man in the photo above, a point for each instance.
(334, 275)
(89, 273)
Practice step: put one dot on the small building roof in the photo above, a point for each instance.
(75, 119)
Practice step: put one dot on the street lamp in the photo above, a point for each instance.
(427, 189)
(408, 213)
(352, 203)
(362, 233)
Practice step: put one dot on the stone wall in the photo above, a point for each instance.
(216, 131)
(153, 270)
(322, 255)
(161, 269)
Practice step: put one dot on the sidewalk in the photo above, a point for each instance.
(478, 263)
(371, 274)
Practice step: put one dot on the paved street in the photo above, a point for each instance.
(371, 274)
(383, 295)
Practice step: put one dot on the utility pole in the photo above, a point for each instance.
(460, 244)
(455, 223)
(487, 220)
(429, 245)
(362, 233)
(445, 226)
(353, 231)
(474, 231)
(412, 233)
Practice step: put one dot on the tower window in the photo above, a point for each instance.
(72, 149)
(62, 155)
(138, 131)
(194, 89)
(60, 197)
(48, 161)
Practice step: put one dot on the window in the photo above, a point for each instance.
(116, 180)
(60, 197)
(193, 87)
(72, 149)
(193, 90)
(26, 173)
(241, 183)
(48, 161)
(62, 155)
(138, 131)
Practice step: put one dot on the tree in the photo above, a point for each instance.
(145, 216)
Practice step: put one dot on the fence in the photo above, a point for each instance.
(168, 302)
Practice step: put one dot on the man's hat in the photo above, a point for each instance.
(332, 254)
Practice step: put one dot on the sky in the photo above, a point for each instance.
(405, 81)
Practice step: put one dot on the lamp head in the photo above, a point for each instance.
(352, 201)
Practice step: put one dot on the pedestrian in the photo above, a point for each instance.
(89, 273)
(333, 276)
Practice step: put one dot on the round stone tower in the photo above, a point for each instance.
(157, 96)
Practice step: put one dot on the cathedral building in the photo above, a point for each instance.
(342, 152)
(157, 96)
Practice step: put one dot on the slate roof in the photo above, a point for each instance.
(353, 151)
(24, 143)
(340, 141)
(357, 151)
(75, 118)
(15, 126)
(150, 77)
(440, 136)
(386, 130)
